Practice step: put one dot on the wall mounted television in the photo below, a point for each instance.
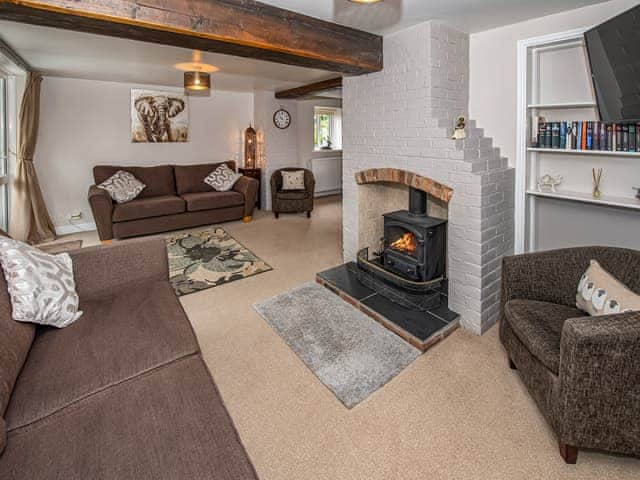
(613, 49)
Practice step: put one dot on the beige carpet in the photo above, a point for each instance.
(457, 412)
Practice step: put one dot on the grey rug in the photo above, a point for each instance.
(349, 352)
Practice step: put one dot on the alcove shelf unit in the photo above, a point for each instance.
(554, 82)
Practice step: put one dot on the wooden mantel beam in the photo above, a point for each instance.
(243, 28)
(311, 89)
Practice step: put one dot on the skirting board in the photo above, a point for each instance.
(328, 193)
(75, 228)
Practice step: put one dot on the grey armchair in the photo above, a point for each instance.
(292, 201)
(582, 371)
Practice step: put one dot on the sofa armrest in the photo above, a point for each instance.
(249, 188)
(103, 270)
(309, 182)
(102, 209)
(599, 393)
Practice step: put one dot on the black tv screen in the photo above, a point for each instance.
(613, 49)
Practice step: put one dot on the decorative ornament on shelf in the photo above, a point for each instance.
(250, 147)
(597, 177)
(282, 118)
(547, 183)
(458, 132)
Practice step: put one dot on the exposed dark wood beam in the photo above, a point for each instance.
(243, 28)
(311, 89)
(13, 56)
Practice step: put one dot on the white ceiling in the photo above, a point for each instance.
(65, 53)
(392, 15)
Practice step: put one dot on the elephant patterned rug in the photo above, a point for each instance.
(209, 258)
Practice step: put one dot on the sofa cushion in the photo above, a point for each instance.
(118, 337)
(41, 286)
(291, 194)
(292, 179)
(190, 178)
(212, 200)
(148, 207)
(159, 180)
(122, 186)
(15, 342)
(600, 293)
(222, 179)
(168, 424)
(538, 325)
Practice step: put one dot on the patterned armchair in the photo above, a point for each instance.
(582, 371)
(292, 201)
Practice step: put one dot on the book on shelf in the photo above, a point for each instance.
(589, 136)
(555, 135)
(586, 135)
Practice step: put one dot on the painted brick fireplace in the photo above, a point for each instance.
(401, 119)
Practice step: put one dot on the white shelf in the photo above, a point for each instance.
(602, 153)
(559, 106)
(607, 200)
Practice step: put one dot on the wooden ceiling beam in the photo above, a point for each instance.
(311, 89)
(244, 28)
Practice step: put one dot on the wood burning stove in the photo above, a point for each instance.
(414, 244)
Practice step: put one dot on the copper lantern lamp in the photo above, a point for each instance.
(250, 147)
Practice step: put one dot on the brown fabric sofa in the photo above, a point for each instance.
(292, 201)
(123, 393)
(175, 197)
(582, 371)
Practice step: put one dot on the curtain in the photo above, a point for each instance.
(29, 219)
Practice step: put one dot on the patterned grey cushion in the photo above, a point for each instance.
(122, 186)
(293, 180)
(40, 285)
(222, 178)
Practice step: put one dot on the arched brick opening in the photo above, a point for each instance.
(395, 175)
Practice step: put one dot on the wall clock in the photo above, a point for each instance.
(282, 119)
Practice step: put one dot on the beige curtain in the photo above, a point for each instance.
(29, 219)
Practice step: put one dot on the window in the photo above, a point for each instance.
(4, 152)
(327, 128)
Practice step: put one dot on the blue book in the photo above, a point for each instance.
(589, 135)
(563, 134)
(579, 135)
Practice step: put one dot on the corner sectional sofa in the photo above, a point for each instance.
(123, 392)
(175, 197)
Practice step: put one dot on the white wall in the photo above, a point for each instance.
(493, 67)
(325, 164)
(85, 123)
(280, 147)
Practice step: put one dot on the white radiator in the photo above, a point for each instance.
(328, 174)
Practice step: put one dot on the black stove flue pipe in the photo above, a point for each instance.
(417, 202)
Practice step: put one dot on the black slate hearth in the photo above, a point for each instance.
(421, 329)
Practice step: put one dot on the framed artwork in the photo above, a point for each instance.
(159, 116)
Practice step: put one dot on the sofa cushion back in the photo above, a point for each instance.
(190, 178)
(158, 180)
(15, 342)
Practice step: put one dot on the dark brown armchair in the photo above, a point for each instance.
(292, 201)
(582, 371)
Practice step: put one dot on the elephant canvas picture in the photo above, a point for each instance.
(159, 117)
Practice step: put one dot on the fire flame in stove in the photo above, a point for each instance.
(406, 243)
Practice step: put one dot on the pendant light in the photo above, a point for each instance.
(197, 81)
